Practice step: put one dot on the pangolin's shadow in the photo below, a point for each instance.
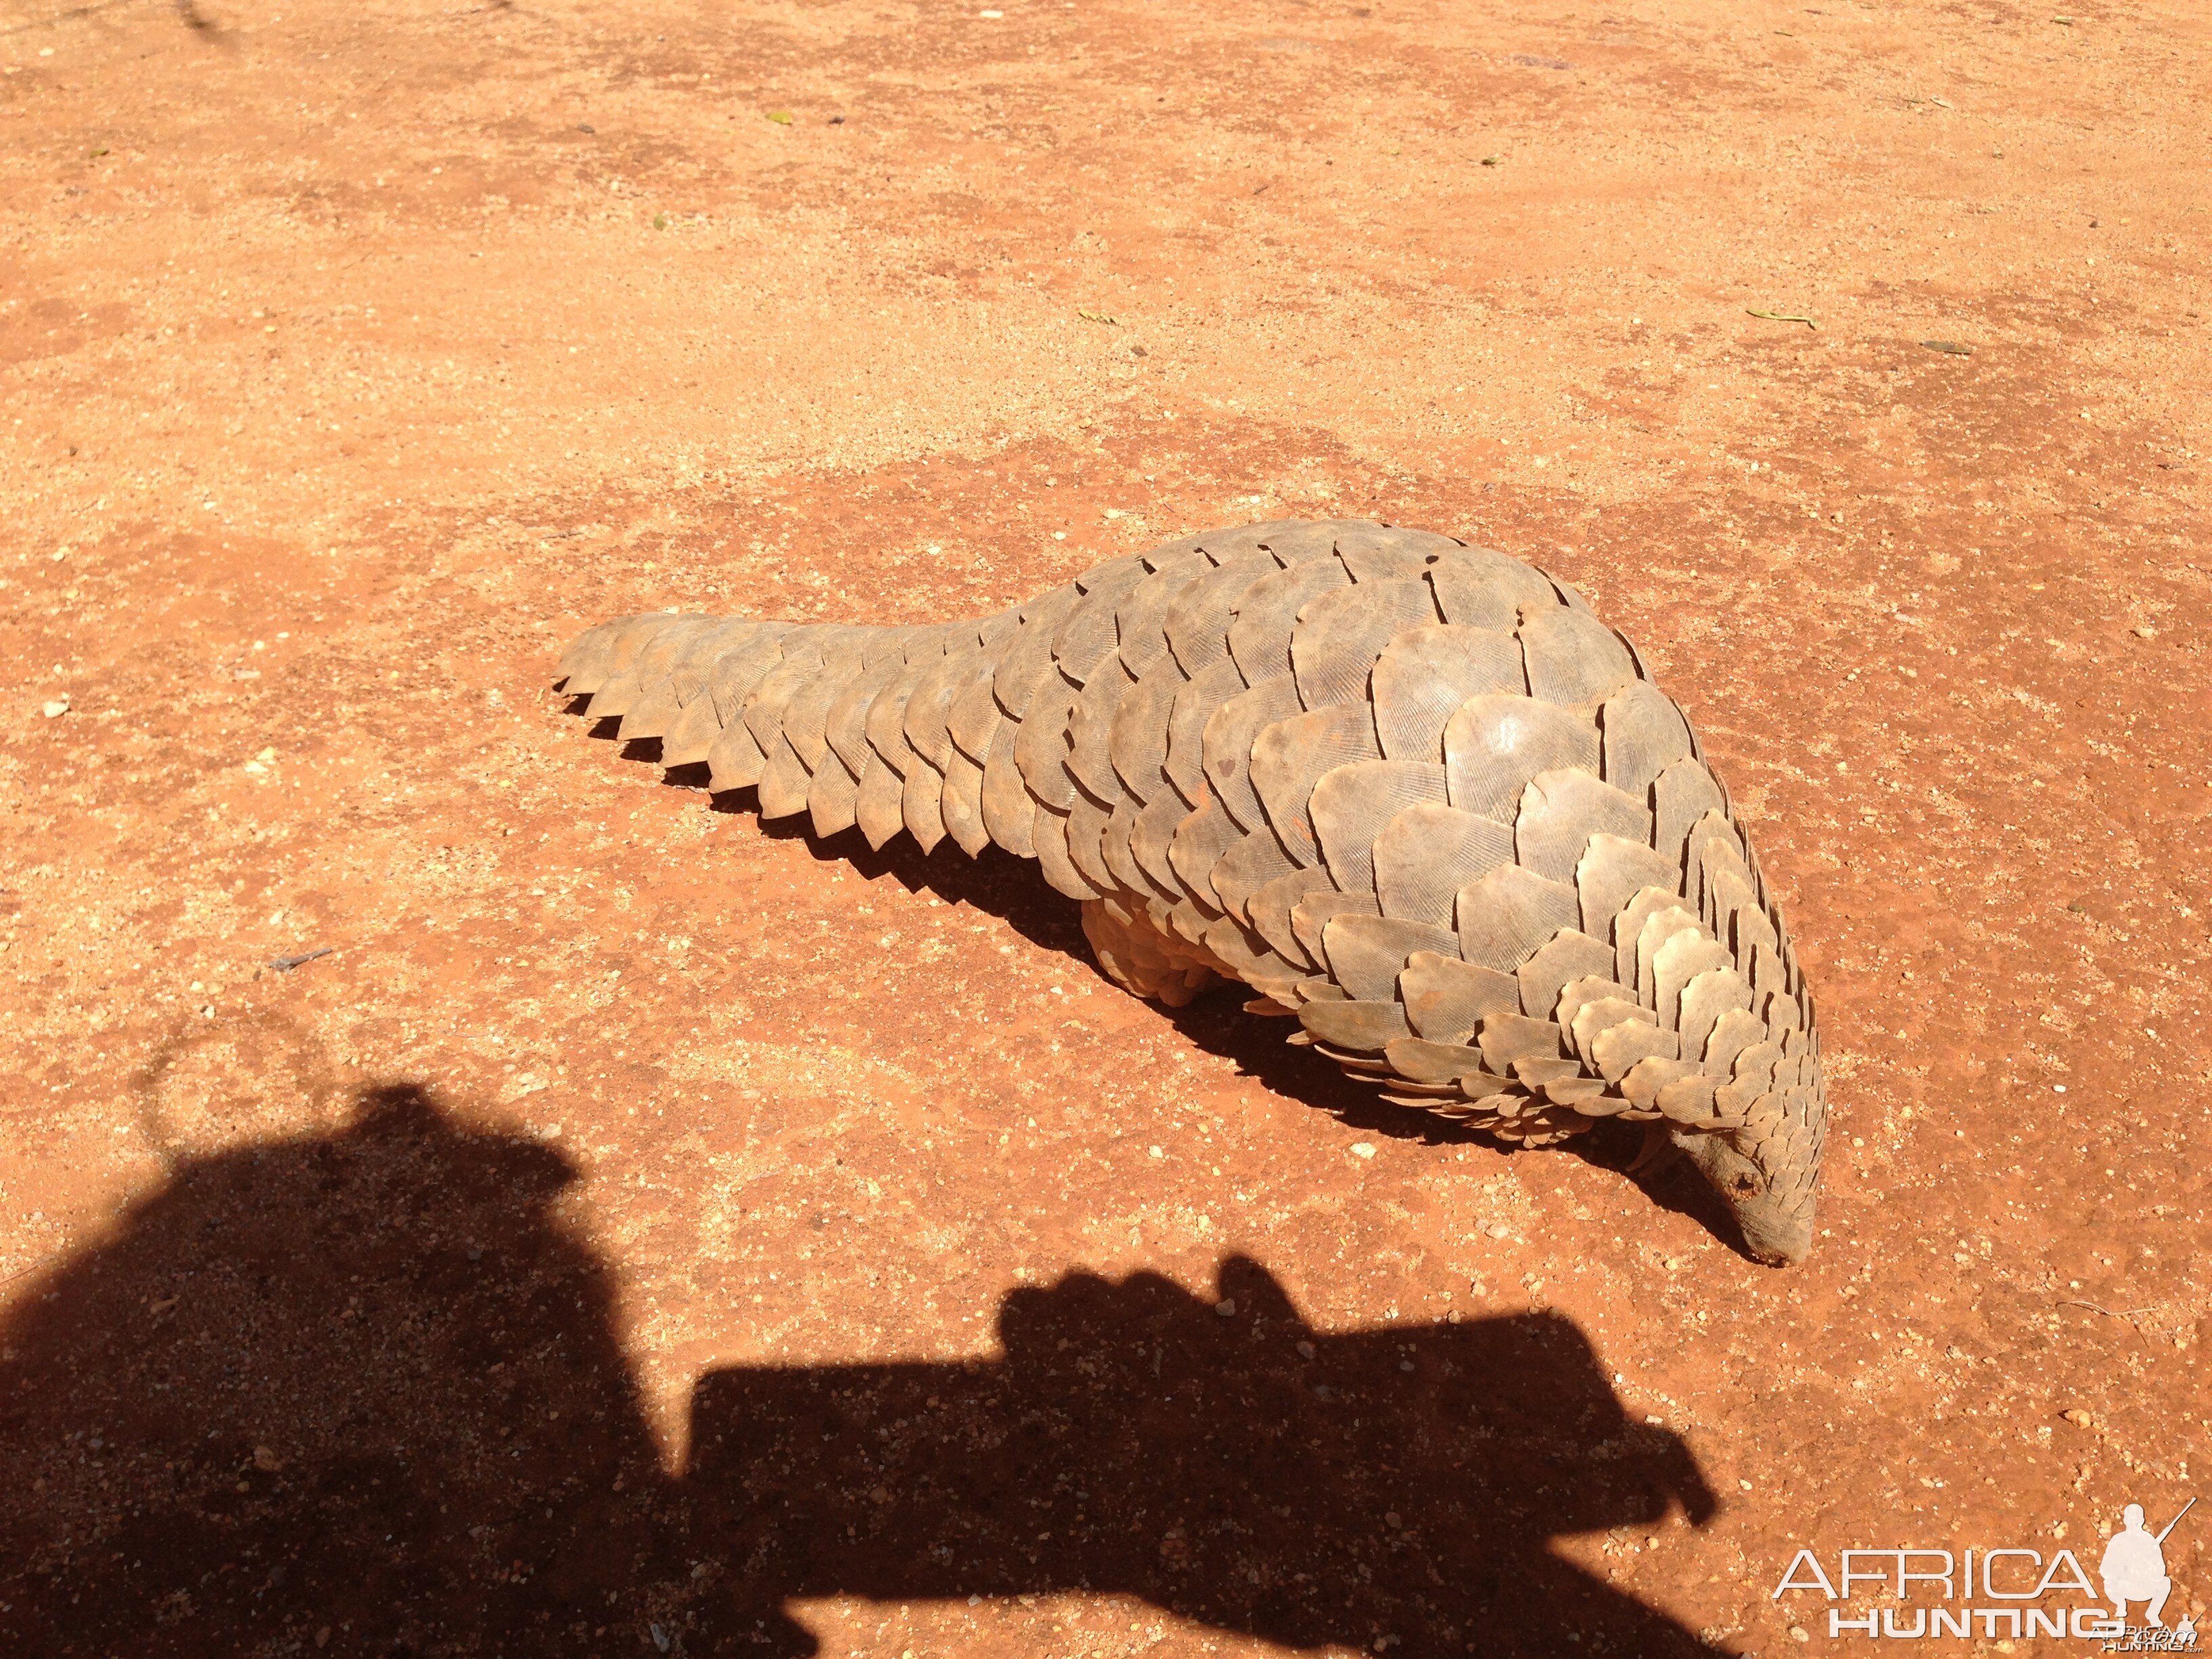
(997, 883)
(368, 1381)
(1011, 889)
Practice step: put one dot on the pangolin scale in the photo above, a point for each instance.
(1413, 791)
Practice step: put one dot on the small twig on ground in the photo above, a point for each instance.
(286, 964)
(1781, 317)
(2128, 1315)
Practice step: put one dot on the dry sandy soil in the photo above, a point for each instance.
(644, 1232)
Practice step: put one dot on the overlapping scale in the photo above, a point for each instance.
(1414, 791)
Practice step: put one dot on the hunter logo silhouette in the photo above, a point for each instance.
(2134, 1567)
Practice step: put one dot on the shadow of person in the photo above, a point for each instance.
(1400, 1484)
(366, 1382)
(330, 1381)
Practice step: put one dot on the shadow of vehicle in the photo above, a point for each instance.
(360, 1392)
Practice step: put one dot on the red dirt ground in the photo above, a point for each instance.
(355, 357)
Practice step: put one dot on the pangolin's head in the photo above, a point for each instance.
(1768, 1171)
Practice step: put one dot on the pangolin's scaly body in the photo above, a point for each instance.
(1413, 792)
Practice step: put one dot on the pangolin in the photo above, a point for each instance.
(1411, 791)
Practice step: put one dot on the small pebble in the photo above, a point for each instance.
(1226, 1307)
(1363, 1149)
(55, 709)
(1306, 1351)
